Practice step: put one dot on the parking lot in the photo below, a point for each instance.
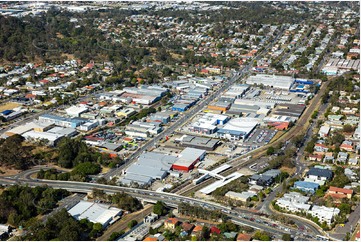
(259, 164)
(260, 137)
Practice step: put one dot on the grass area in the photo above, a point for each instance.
(105, 169)
(277, 136)
(9, 105)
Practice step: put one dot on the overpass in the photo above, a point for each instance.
(212, 173)
(248, 219)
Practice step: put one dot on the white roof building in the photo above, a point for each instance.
(324, 214)
(94, 212)
(294, 202)
(75, 111)
(281, 82)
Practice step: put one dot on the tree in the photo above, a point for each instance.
(132, 223)
(270, 150)
(262, 235)
(347, 128)
(115, 235)
(287, 237)
(159, 208)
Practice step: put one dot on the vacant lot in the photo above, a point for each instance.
(8, 105)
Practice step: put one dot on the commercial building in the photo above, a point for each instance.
(338, 66)
(51, 138)
(126, 112)
(61, 121)
(143, 129)
(94, 212)
(198, 142)
(150, 166)
(66, 132)
(207, 124)
(289, 110)
(281, 82)
(88, 126)
(75, 111)
(237, 91)
(238, 128)
(188, 158)
(243, 197)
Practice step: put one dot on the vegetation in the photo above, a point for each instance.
(262, 235)
(160, 208)
(18, 204)
(132, 223)
(201, 213)
(115, 235)
(61, 226)
(119, 199)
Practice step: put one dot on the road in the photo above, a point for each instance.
(254, 221)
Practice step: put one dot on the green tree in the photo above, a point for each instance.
(132, 223)
(159, 208)
(286, 237)
(270, 150)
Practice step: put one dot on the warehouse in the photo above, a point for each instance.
(238, 109)
(50, 137)
(95, 212)
(281, 82)
(75, 111)
(35, 125)
(207, 124)
(67, 132)
(238, 128)
(290, 110)
(150, 166)
(61, 121)
(188, 158)
(237, 90)
(199, 142)
(142, 129)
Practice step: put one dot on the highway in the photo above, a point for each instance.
(254, 221)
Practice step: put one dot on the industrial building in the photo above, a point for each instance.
(75, 111)
(198, 142)
(143, 129)
(188, 158)
(207, 124)
(289, 110)
(61, 121)
(95, 212)
(238, 128)
(236, 91)
(162, 117)
(50, 137)
(150, 166)
(280, 82)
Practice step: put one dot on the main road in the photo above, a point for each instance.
(247, 219)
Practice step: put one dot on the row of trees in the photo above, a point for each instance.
(201, 213)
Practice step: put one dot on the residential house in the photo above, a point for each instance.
(324, 214)
(171, 223)
(244, 237)
(306, 186)
(187, 227)
(316, 157)
(339, 193)
(342, 157)
(215, 230)
(197, 230)
(230, 235)
(319, 175)
(324, 131)
(328, 157)
(347, 145)
(320, 148)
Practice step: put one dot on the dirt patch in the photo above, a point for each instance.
(5, 171)
(9, 106)
(288, 170)
(277, 136)
(68, 56)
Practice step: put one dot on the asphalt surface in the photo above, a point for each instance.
(254, 221)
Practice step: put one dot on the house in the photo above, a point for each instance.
(244, 237)
(324, 131)
(187, 227)
(171, 223)
(328, 157)
(215, 230)
(317, 175)
(320, 148)
(347, 145)
(230, 235)
(317, 157)
(342, 157)
(324, 214)
(339, 193)
(309, 187)
(197, 230)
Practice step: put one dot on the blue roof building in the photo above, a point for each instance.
(305, 186)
